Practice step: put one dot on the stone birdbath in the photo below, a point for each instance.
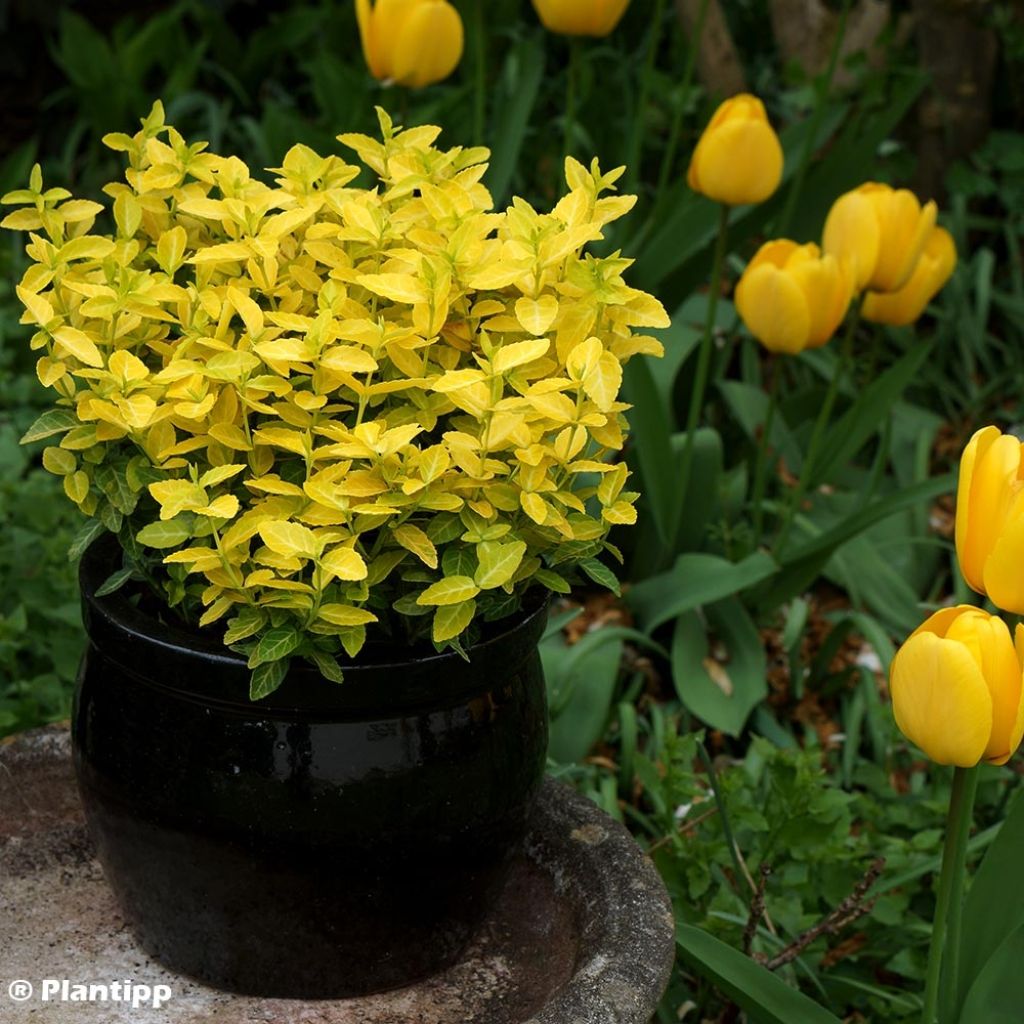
(583, 933)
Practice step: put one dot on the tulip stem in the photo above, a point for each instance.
(570, 101)
(640, 114)
(817, 435)
(823, 86)
(669, 157)
(949, 897)
(762, 454)
(700, 378)
(480, 74)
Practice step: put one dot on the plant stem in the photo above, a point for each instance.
(950, 893)
(824, 415)
(822, 88)
(700, 379)
(762, 454)
(570, 100)
(480, 74)
(956, 898)
(640, 114)
(669, 157)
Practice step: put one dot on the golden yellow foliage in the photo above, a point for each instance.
(310, 405)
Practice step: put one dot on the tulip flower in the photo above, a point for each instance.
(990, 517)
(410, 42)
(738, 159)
(882, 231)
(933, 270)
(580, 17)
(957, 689)
(791, 297)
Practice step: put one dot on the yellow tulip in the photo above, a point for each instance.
(410, 42)
(957, 689)
(882, 231)
(580, 17)
(791, 297)
(990, 517)
(738, 159)
(933, 270)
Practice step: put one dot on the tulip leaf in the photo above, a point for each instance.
(997, 992)
(749, 404)
(649, 423)
(994, 908)
(721, 693)
(868, 413)
(695, 580)
(765, 998)
(803, 563)
(517, 94)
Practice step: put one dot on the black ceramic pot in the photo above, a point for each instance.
(330, 840)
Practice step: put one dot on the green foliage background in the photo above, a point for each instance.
(765, 665)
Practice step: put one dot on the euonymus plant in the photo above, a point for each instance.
(309, 408)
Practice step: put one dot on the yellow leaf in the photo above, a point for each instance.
(451, 620)
(137, 410)
(510, 356)
(450, 590)
(602, 383)
(38, 307)
(537, 315)
(85, 248)
(345, 563)
(348, 359)
(224, 507)
(534, 506)
(127, 367)
(286, 538)
(78, 344)
(413, 539)
(248, 310)
(170, 249)
(403, 288)
(498, 562)
(345, 615)
(76, 487)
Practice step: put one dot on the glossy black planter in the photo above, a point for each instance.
(324, 842)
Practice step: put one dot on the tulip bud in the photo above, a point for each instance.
(791, 297)
(990, 517)
(957, 687)
(881, 231)
(738, 159)
(580, 17)
(933, 270)
(410, 42)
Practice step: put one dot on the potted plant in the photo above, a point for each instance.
(339, 442)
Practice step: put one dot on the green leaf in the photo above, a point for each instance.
(997, 993)
(552, 581)
(994, 907)
(275, 644)
(695, 580)
(53, 421)
(802, 565)
(327, 666)
(651, 429)
(115, 581)
(513, 103)
(766, 998)
(749, 405)
(85, 536)
(266, 678)
(581, 686)
(167, 533)
(720, 694)
(867, 414)
(600, 574)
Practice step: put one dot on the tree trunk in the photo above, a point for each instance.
(718, 64)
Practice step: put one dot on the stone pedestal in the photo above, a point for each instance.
(583, 933)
